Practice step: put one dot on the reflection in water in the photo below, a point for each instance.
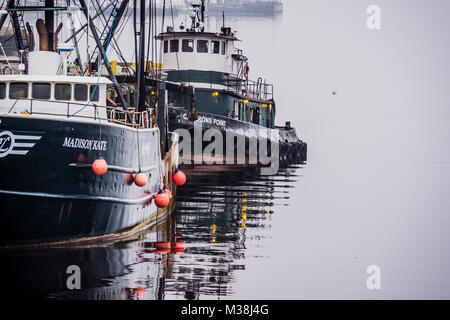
(220, 220)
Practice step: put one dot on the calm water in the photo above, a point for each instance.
(375, 190)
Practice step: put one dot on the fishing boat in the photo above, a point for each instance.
(242, 7)
(220, 95)
(76, 169)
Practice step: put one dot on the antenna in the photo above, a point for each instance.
(203, 11)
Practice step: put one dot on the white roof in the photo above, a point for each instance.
(62, 78)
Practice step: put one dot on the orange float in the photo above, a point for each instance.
(100, 166)
(162, 199)
(141, 179)
(168, 192)
(179, 177)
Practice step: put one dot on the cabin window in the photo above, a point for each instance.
(63, 91)
(91, 90)
(2, 90)
(187, 45)
(215, 47)
(40, 90)
(80, 92)
(166, 46)
(18, 90)
(174, 45)
(202, 46)
(223, 47)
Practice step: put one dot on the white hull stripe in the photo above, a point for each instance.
(24, 145)
(22, 137)
(9, 143)
(19, 152)
(143, 199)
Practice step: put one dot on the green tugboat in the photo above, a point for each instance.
(218, 91)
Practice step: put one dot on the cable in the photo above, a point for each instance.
(101, 68)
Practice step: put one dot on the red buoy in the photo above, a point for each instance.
(179, 178)
(168, 192)
(100, 166)
(162, 247)
(141, 179)
(178, 247)
(161, 199)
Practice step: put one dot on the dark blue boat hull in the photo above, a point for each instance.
(49, 193)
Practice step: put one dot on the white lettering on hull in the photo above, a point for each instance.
(86, 144)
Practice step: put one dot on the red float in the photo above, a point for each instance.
(141, 179)
(178, 246)
(100, 166)
(162, 199)
(179, 177)
(162, 247)
(168, 192)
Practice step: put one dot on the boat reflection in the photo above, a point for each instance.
(225, 218)
(219, 222)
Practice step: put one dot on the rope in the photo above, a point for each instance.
(101, 68)
(173, 23)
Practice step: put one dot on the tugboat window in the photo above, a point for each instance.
(223, 47)
(187, 45)
(166, 46)
(40, 90)
(216, 47)
(2, 90)
(174, 44)
(63, 91)
(80, 92)
(95, 97)
(202, 46)
(18, 90)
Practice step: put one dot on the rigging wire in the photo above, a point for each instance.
(101, 68)
(161, 43)
(149, 37)
(173, 24)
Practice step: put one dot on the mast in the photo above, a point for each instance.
(140, 66)
(203, 11)
(112, 77)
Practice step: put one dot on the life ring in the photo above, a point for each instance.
(246, 71)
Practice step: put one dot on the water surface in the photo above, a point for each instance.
(374, 190)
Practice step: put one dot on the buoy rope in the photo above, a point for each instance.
(100, 132)
(103, 63)
(138, 149)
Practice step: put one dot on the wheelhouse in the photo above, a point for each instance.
(198, 51)
(53, 95)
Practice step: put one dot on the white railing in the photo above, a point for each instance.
(130, 118)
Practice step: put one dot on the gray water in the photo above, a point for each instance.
(373, 192)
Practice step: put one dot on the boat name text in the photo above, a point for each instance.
(85, 144)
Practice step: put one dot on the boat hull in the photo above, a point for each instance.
(49, 193)
(291, 149)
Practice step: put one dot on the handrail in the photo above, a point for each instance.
(113, 114)
(255, 89)
(233, 83)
